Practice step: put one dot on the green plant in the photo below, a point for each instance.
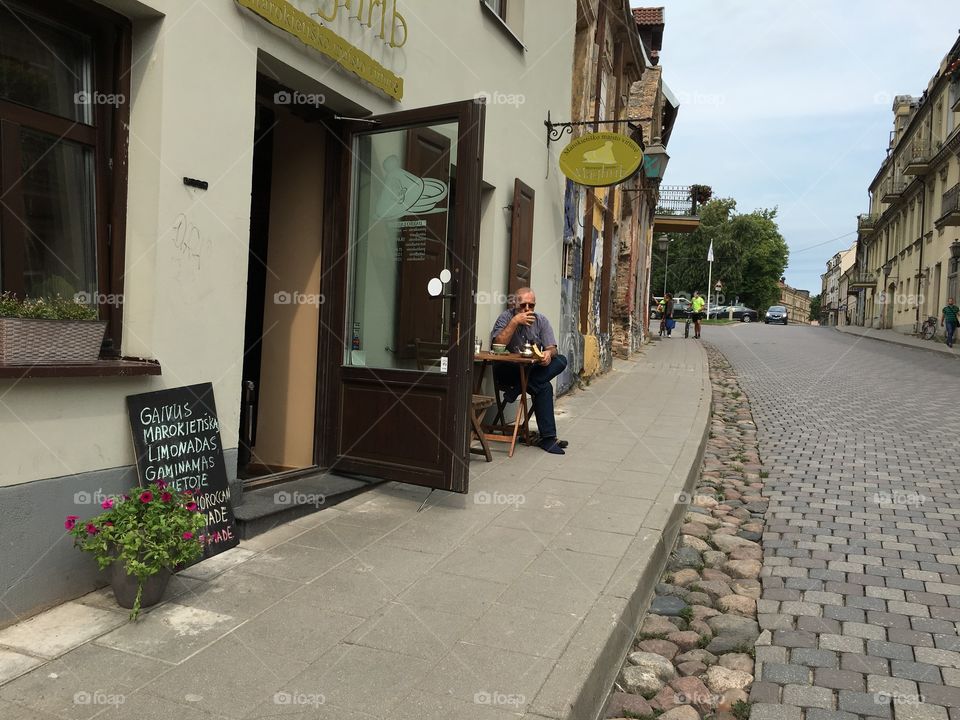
(55, 308)
(686, 613)
(148, 530)
(764, 474)
(701, 193)
(741, 710)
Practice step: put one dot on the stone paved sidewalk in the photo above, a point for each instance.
(517, 600)
(898, 338)
(861, 589)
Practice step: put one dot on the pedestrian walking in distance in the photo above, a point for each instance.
(949, 318)
(667, 318)
(696, 308)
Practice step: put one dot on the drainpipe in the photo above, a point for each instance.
(923, 227)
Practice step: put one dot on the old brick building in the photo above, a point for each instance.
(617, 87)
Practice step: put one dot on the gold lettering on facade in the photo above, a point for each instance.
(286, 17)
(330, 9)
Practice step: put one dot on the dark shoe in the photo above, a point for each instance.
(562, 443)
(552, 446)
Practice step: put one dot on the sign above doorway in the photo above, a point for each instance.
(601, 159)
(392, 31)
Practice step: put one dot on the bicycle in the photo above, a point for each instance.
(686, 328)
(928, 330)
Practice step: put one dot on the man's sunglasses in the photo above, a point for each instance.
(527, 305)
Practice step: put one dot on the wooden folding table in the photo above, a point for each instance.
(502, 431)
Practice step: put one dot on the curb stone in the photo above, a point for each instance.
(709, 586)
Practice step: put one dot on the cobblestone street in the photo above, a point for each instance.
(861, 587)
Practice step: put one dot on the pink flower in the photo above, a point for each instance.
(161, 484)
(92, 529)
(146, 496)
(166, 497)
(188, 492)
(108, 524)
(126, 497)
(107, 504)
(202, 538)
(188, 535)
(71, 522)
(191, 506)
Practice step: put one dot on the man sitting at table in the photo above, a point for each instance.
(514, 328)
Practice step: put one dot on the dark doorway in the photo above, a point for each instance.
(256, 285)
(279, 403)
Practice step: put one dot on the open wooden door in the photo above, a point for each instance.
(402, 260)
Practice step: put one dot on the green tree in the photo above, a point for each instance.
(814, 308)
(750, 255)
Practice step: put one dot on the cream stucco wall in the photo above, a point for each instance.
(192, 114)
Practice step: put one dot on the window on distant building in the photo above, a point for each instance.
(62, 151)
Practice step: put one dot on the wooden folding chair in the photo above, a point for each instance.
(479, 405)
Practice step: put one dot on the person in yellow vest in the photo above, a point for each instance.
(696, 308)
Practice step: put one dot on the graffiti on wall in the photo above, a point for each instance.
(570, 339)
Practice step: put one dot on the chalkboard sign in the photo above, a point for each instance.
(176, 436)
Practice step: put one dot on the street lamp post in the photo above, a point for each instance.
(663, 241)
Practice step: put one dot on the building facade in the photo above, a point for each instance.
(909, 240)
(833, 297)
(284, 199)
(797, 303)
(605, 226)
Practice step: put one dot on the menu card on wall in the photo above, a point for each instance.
(176, 435)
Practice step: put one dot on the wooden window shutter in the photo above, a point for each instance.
(521, 236)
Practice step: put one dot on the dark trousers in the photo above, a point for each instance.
(951, 329)
(507, 375)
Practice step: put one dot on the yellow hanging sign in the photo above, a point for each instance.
(285, 16)
(601, 159)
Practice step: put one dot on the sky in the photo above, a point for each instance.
(789, 104)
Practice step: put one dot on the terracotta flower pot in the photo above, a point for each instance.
(125, 586)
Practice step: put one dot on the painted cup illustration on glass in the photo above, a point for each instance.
(406, 194)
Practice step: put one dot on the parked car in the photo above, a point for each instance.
(717, 312)
(741, 313)
(681, 308)
(776, 314)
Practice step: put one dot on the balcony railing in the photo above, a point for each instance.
(950, 208)
(683, 200)
(862, 279)
(919, 155)
(891, 190)
(867, 222)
